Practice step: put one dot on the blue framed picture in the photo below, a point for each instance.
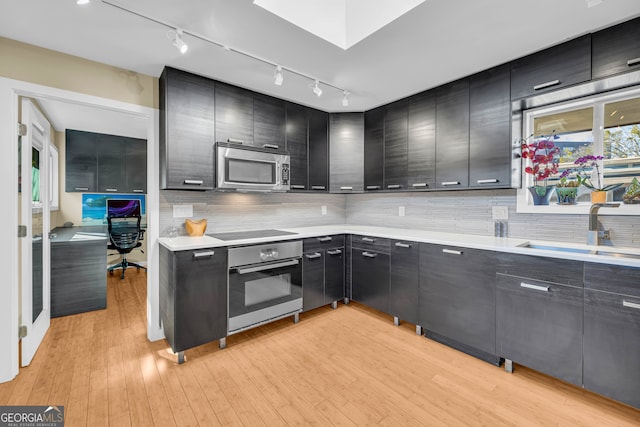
(94, 206)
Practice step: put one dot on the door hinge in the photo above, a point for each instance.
(22, 331)
(22, 129)
(22, 231)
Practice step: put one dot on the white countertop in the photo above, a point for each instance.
(500, 244)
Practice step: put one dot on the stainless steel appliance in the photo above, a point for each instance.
(244, 168)
(265, 284)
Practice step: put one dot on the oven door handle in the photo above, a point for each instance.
(262, 267)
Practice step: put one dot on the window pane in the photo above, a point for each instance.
(621, 143)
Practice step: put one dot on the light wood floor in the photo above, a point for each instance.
(348, 366)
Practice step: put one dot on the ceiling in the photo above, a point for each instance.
(434, 43)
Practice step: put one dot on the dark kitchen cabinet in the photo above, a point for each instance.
(313, 279)
(539, 323)
(186, 131)
(404, 280)
(322, 271)
(553, 68)
(611, 331)
(490, 129)
(111, 164)
(334, 269)
(297, 145)
(452, 135)
(421, 143)
(374, 149)
(616, 49)
(193, 296)
(346, 152)
(457, 298)
(81, 161)
(269, 122)
(234, 114)
(318, 150)
(396, 145)
(136, 166)
(370, 271)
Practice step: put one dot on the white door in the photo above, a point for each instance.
(35, 312)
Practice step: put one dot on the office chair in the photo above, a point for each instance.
(124, 238)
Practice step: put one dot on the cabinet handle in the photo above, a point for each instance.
(334, 252)
(394, 186)
(369, 254)
(634, 61)
(630, 304)
(373, 187)
(267, 266)
(368, 240)
(273, 146)
(487, 181)
(193, 181)
(402, 245)
(82, 188)
(446, 183)
(313, 256)
(297, 187)
(235, 141)
(203, 254)
(419, 185)
(138, 191)
(324, 239)
(346, 188)
(451, 251)
(534, 287)
(112, 190)
(546, 84)
(318, 187)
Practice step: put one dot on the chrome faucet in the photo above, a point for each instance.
(593, 235)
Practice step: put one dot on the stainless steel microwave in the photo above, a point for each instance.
(245, 168)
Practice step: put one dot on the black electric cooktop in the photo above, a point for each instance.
(251, 234)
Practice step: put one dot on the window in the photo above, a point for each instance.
(605, 125)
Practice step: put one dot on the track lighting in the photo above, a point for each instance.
(177, 40)
(316, 89)
(278, 78)
(345, 98)
(82, 2)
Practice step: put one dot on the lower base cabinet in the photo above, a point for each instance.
(370, 273)
(334, 275)
(193, 296)
(312, 280)
(404, 280)
(322, 271)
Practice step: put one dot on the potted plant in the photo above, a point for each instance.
(598, 190)
(567, 190)
(543, 155)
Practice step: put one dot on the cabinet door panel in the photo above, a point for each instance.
(269, 122)
(422, 141)
(612, 278)
(346, 152)
(404, 280)
(490, 129)
(81, 161)
(374, 149)
(334, 275)
(111, 163)
(297, 145)
(318, 150)
(370, 279)
(452, 135)
(616, 49)
(312, 280)
(395, 146)
(136, 165)
(234, 114)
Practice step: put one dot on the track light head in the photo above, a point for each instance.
(345, 98)
(278, 78)
(316, 88)
(178, 42)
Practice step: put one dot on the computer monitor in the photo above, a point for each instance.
(123, 208)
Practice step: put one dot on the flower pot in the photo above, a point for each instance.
(598, 196)
(540, 195)
(567, 195)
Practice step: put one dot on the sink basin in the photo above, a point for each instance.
(616, 254)
(558, 248)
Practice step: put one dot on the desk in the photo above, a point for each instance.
(78, 269)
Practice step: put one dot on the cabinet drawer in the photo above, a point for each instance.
(539, 325)
(563, 271)
(323, 242)
(370, 243)
(612, 278)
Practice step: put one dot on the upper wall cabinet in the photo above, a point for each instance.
(81, 162)
(452, 135)
(111, 163)
(346, 150)
(616, 49)
(395, 145)
(421, 143)
(136, 166)
(490, 129)
(297, 145)
(318, 150)
(559, 66)
(374, 149)
(269, 122)
(186, 131)
(234, 114)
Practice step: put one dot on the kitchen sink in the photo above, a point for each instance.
(557, 248)
(616, 254)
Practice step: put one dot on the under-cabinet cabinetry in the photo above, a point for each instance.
(193, 296)
(553, 68)
(396, 145)
(187, 118)
(374, 149)
(421, 141)
(404, 280)
(616, 49)
(346, 151)
(457, 298)
(370, 271)
(611, 331)
(233, 114)
(322, 271)
(539, 304)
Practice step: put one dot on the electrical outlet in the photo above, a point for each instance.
(324, 210)
(400, 210)
(500, 213)
(182, 211)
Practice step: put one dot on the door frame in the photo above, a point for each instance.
(10, 91)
